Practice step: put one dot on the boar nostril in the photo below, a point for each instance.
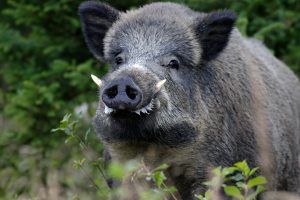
(131, 92)
(112, 92)
(122, 94)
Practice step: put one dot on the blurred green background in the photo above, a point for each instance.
(45, 72)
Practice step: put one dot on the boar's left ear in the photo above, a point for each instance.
(96, 18)
(213, 31)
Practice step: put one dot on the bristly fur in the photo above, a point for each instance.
(228, 100)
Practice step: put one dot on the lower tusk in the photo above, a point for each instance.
(96, 80)
(159, 85)
(108, 110)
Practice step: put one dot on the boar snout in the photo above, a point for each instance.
(122, 94)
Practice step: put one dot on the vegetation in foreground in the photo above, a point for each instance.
(237, 181)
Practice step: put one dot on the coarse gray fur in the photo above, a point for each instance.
(229, 100)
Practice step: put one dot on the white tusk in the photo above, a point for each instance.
(108, 110)
(144, 110)
(96, 80)
(159, 85)
(138, 112)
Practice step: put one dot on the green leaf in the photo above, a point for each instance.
(233, 192)
(116, 170)
(158, 178)
(78, 163)
(86, 134)
(73, 125)
(161, 167)
(69, 139)
(82, 145)
(228, 170)
(170, 190)
(237, 177)
(66, 118)
(200, 197)
(243, 166)
(240, 185)
(57, 129)
(253, 171)
(259, 180)
(260, 189)
(208, 195)
(253, 195)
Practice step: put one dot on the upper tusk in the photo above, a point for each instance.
(96, 80)
(159, 85)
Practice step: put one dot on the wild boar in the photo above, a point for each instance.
(186, 89)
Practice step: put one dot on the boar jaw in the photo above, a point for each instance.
(146, 109)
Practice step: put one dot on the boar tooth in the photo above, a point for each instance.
(144, 110)
(149, 107)
(96, 80)
(152, 104)
(159, 85)
(108, 110)
(138, 112)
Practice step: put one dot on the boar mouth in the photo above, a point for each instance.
(131, 108)
(144, 110)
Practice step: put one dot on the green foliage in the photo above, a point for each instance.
(71, 127)
(238, 182)
(119, 171)
(132, 170)
(44, 73)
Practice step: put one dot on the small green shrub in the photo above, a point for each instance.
(238, 182)
(133, 170)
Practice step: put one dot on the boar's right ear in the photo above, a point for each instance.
(96, 18)
(213, 32)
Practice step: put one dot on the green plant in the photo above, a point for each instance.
(238, 182)
(70, 126)
(132, 170)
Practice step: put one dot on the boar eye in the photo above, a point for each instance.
(118, 60)
(174, 64)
